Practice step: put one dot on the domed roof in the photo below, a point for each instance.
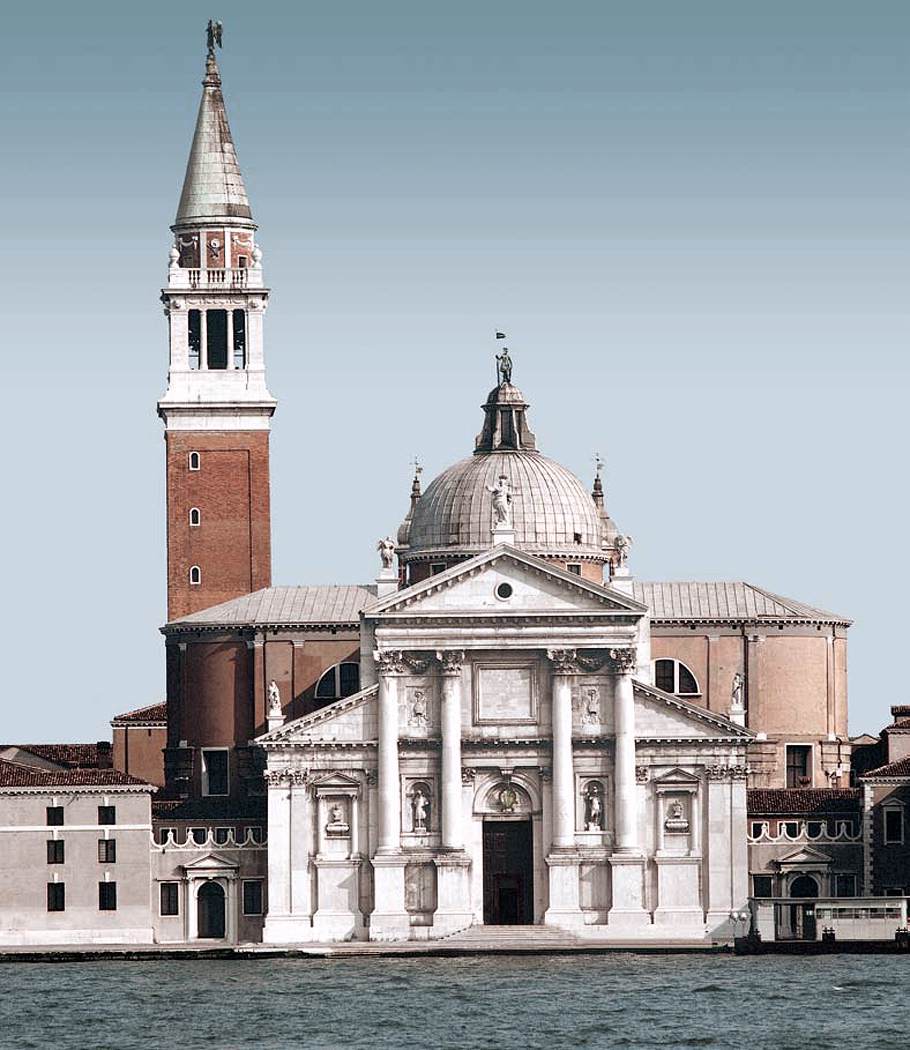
(552, 512)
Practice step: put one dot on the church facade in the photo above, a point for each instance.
(504, 728)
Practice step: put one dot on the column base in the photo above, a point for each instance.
(453, 894)
(287, 929)
(390, 920)
(627, 911)
(564, 908)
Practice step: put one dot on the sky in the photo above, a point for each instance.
(690, 219)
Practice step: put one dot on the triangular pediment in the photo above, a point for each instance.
(677, 776)
(211, 862)
(473, 588)
(805, 855)
(660, 715)
(351, 720)
(335, 780)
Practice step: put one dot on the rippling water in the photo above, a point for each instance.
(547, 1002)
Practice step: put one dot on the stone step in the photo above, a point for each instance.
(512, 935)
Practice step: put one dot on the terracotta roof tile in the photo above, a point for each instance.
(719, 600)
(152, 713)
(70, 756)
(900, 768)
(339, 604)
(14, 775)
(789, 801)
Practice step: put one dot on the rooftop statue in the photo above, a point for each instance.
(504, 366)
(502, 502)
(213, 35)
(386, 550)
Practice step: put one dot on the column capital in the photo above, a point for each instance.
(623, 661)
(564, 661)
(390, 661)
(450, 661)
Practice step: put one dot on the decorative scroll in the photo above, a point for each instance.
(642, 774)
(468, 775)
(390, 661)
(727, 772)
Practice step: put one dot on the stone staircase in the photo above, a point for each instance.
(510, 938)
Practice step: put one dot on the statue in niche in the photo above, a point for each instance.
(737, 693)
(338, 825)
(502, 502)
(594, 807)
(418, 716)
(274, 699)
(591, 714)
(386, 548)
(420, 809)
(336, 814)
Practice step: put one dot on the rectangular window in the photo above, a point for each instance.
(756, 830)
(664, 675)
(437, 567)
(170, 898)
(574, 567)
(844, 885)
(107, 851)
(107, 814)
(762, 886)
(194, 337)
(55, 851)
(252, 897)
(799, 757)
(107, 896)
(349, 675)
(54, 816)
(216, 339)
(215, 771)
(198, 835)
(56, 896)
(239, 339)
(894, 826)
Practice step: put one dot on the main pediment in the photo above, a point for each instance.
(505, 582)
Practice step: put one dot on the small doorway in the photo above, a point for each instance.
(802, 916)
(210, 911)
(508, 873)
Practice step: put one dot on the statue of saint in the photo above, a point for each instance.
(737, 695)
(594, 817)
(336, 814)
(623, 543)
(591, 714)
(213, 35)
(502, 502)
(420, 809)
(274, 699)
(386, 550)
(419, 709)
(504, 366)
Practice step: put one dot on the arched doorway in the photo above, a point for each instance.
(210, 911)
(802, 916)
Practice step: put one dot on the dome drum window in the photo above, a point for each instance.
(338, 682)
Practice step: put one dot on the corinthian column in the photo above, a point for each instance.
(626, 795)
(390, 666)
(450, 717)
(563, 661)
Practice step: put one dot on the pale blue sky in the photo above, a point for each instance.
(691, 219)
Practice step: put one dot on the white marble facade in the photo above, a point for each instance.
(508, 762)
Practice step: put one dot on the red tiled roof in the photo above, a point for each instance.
(788, 801)
(152, 713)
(900, 768)
(14, 775)
(71, 756)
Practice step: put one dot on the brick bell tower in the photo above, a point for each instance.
(217, 408)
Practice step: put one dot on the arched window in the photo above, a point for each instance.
(194, 461)
(338, 682)
(195, 517)
(674, 677)
(195, 575)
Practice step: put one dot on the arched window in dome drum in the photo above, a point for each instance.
(674, 677)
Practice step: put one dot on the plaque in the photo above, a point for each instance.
(505, 694)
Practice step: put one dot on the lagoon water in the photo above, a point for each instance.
(549, 1002)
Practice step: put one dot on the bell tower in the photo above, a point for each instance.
(217, 407)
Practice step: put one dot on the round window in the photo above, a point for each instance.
(504, 591)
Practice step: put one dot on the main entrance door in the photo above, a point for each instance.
(210, 913)
(508, 879)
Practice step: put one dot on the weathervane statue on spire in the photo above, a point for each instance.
(213, 36)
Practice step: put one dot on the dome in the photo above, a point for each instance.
(552, 512)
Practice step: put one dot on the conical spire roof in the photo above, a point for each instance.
(213, 190)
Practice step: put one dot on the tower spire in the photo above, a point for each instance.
(213, 189)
